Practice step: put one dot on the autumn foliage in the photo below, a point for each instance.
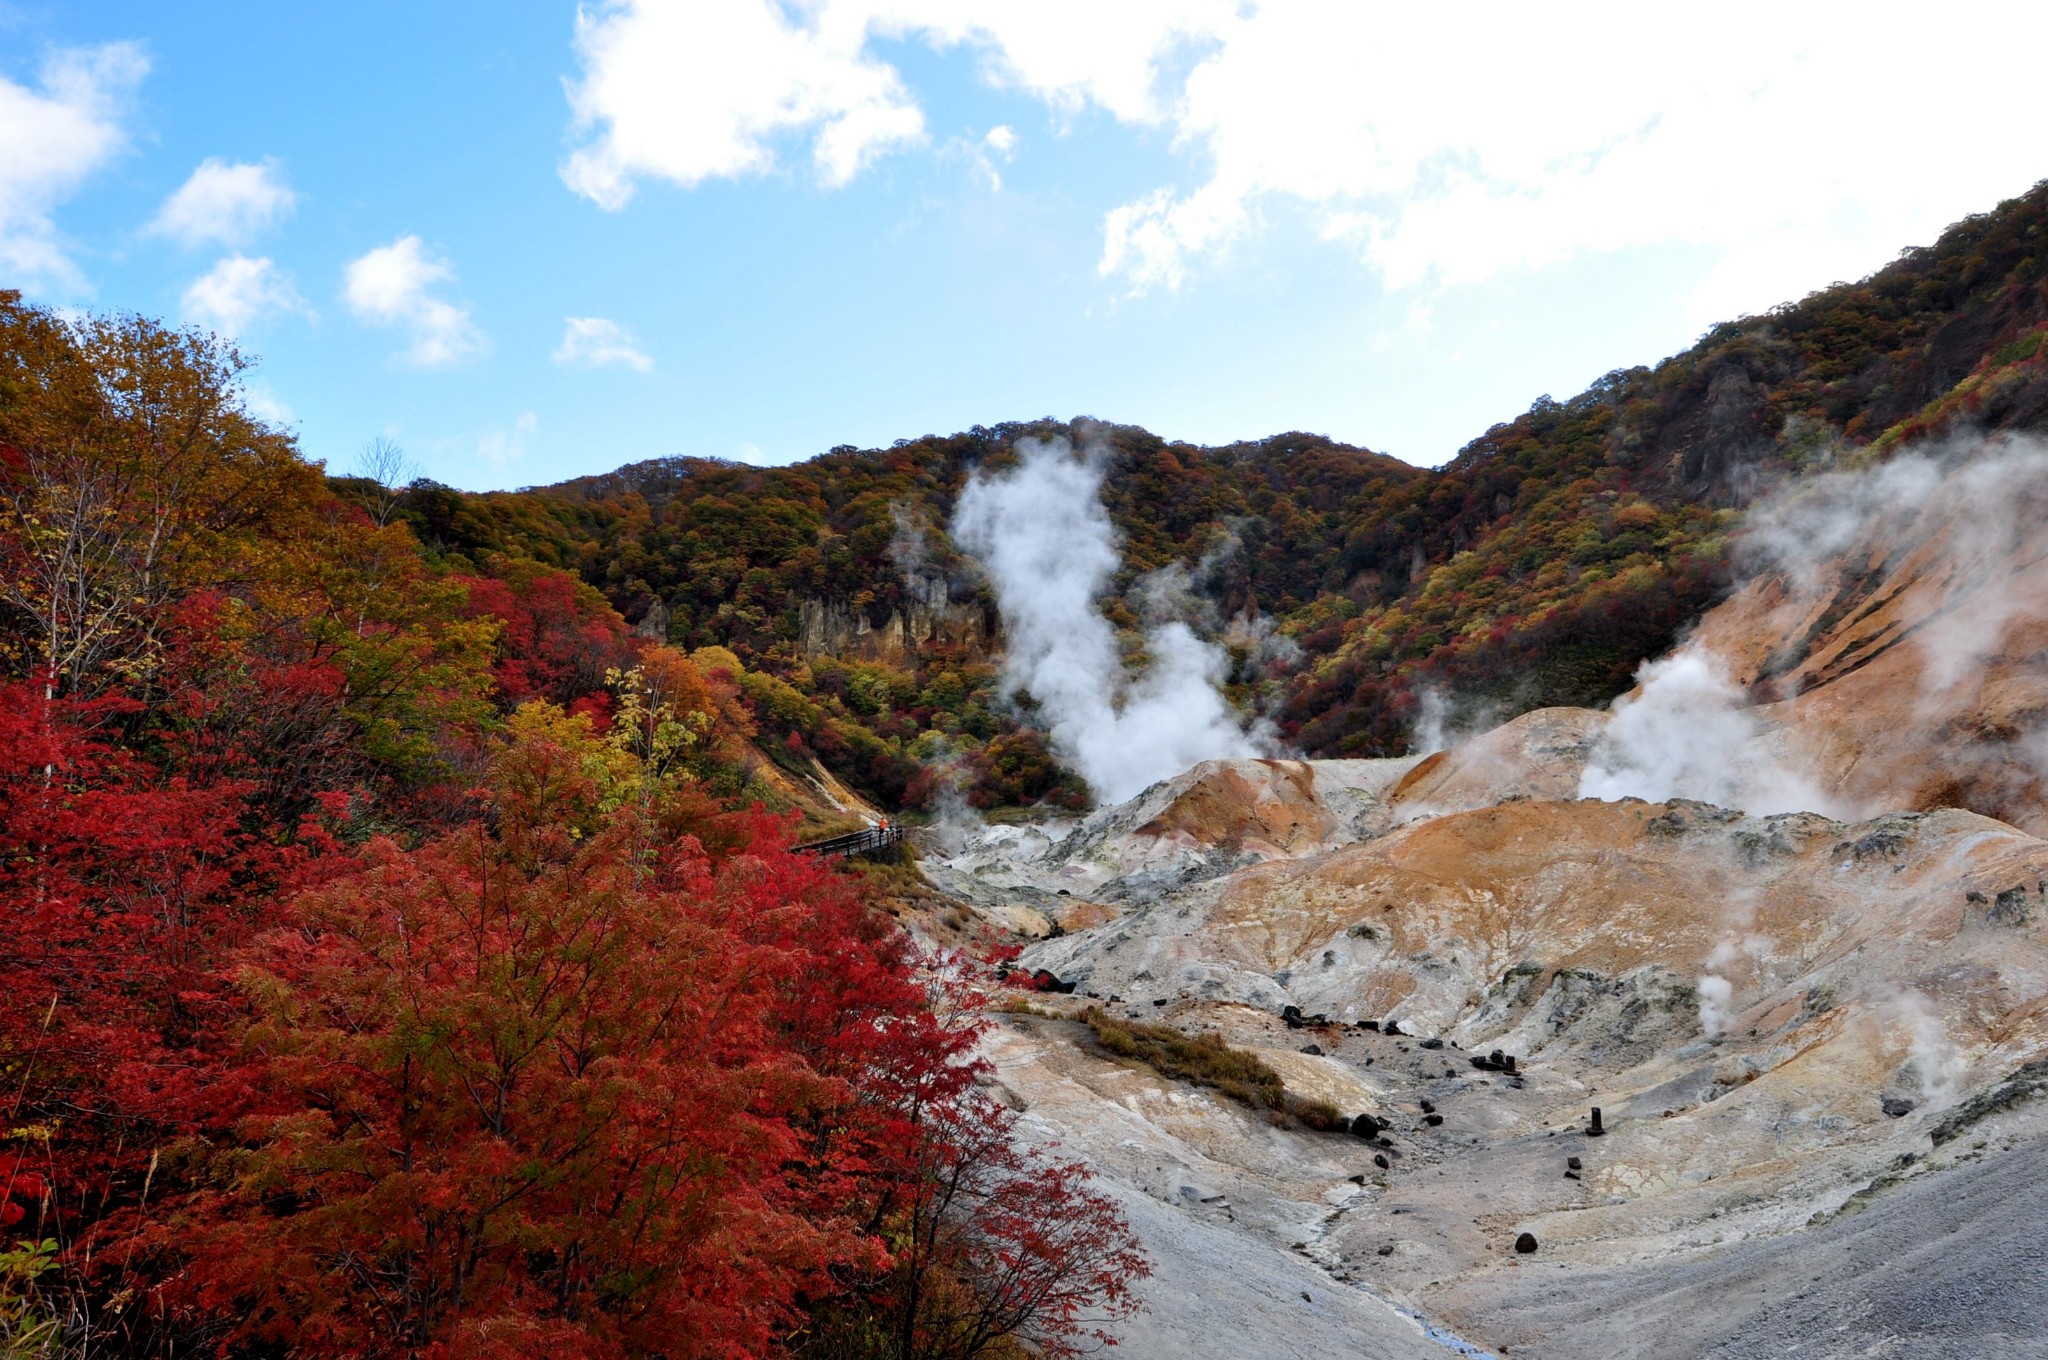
(393, 961)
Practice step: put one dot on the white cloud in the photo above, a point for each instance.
(694, 92)
(999, 144)
(52, 139)
(595, 342)
(392, 286)
(228, 204)
(501, 448)
(238, 291)
(1792, 144)
(264, 404)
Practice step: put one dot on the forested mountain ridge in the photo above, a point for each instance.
(1540, 566)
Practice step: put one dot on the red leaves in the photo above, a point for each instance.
(557, 635)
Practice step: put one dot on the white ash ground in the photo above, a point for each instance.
(1899, 960)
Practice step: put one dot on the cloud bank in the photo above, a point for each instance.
(1439, 155)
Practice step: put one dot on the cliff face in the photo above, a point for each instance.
(927, 619)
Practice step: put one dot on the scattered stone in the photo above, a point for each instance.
(1526, 1243)
(1428, 1108)
(1432, 1043)
(1571, 1175)
(1391, 1027)
(1160, 1002)
(1359, 1179)
(1372, 1025)
(1365, 1126)
(1313, 1050)
(1574, 1163)
(1433, 1120)
(1379, 1159)
(1386, 1249)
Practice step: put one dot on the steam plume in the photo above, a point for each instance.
(1932, 1060)
(1690, 734)
(1953, 531)
(1042, 535)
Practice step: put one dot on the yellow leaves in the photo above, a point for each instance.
(555, 765)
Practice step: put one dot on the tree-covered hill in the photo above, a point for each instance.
(1540, 566)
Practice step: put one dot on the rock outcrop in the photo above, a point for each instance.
(928, 616)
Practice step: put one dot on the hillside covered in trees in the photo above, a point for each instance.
(397, 958)
(1541, 566)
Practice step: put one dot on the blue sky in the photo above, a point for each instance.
(530, 242)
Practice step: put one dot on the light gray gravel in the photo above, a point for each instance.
(1952, 1264)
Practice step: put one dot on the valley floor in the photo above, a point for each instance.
(1269, 1242)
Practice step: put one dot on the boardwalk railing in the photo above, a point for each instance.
(874, 842)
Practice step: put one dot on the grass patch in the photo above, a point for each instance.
(1205, 1060)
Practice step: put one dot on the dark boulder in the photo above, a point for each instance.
(1379, 1159)
(1045, 981)
(1365, 1126)
(1313, 1050)
(1526, 1243)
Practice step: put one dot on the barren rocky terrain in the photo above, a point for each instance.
(1817, 1044)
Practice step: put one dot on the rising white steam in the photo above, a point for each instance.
(1042, 535)
(1690, 733)
(1976, 502)
(1931, 1059)
(1716, 1004)
(1717, 992)
(1431, 731)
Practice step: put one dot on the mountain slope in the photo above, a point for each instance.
(1540, 567)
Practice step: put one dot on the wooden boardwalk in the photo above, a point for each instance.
(874, 842)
